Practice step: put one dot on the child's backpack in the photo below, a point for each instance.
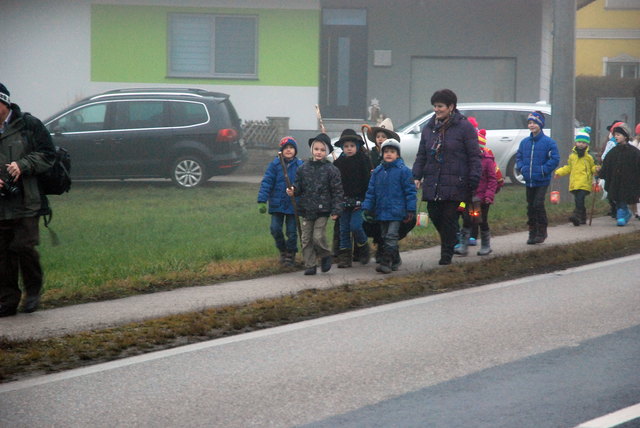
(57, 180)
(499, 178)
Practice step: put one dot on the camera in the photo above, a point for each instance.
(10, 188)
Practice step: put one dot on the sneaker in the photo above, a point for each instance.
(623, 216)
(472, 242)
(310, 271)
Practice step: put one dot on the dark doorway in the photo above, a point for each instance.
(343, 63)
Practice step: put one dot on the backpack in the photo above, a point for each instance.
(499, 179)
(56, 180)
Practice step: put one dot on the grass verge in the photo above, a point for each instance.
(22, 359)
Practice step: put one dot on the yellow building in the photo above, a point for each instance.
(608, 38)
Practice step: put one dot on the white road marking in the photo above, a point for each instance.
(613, 419)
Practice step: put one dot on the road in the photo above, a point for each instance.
(554, 350)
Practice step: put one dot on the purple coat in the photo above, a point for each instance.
(488, 185)
(450, 172)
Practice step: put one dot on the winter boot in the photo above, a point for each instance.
(379, 253)
(446, 254)
(364, 253)
(385, 264)
(623, 216)
(582, 215)
(289, 258)
(532, 234)
(325, 263)
(575, 219)
(462, 249)
(344, 258)
(283, 258)
(485, 245)
(541, 235)
(397, 261)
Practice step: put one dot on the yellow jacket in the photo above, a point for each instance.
(581, 170)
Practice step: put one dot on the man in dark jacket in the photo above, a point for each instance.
(449, 166)
(26, 150)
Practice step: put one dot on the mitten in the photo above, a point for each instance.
(262, 207)
(409, 217)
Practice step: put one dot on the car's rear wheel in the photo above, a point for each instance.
(188, 172)
(514, 176)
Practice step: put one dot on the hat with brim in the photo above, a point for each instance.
(386, 126)
(613, 124)
(349, 135)
(622, 128)
(323, 138)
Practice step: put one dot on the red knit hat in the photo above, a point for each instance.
(638, 129)
(482, 137)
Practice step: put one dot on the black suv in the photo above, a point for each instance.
(188, 135)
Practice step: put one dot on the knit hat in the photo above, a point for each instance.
(472, 120)
(323, 138)
(390, 143)
(537, 117)
(386, 126)
(638, 129)
(582, 136)
(349, 135)
(613, 124)
(482, 137)
(289, 141)
(4, 95)
(622, 128)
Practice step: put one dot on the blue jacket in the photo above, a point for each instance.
(450, 170)
(536, 159)
(391, 193)
(273, 186)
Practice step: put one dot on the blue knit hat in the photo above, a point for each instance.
(537, 117)
(289, 141)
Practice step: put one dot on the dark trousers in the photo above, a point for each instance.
(291, 230)
(536, 212)
(444, 216)
(18, 239)
(579, 197)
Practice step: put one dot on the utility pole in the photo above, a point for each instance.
(563, 92)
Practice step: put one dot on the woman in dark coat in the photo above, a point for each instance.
(448, 165)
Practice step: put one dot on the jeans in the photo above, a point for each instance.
(390, 234)
(18, 239)
(536, 212)
(351, 222)
(291, 244)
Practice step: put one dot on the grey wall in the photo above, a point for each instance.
(451, 28)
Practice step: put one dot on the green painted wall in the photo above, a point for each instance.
(129, 44)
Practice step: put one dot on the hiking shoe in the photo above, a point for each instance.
(325, 263)
(310, 271)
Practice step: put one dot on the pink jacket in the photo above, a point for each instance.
(486, 190)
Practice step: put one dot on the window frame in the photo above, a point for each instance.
(211, 73)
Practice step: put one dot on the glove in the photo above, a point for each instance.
(262, 207)
(410, 216)
(368, 216)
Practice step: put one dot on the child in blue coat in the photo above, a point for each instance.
(390, 199)
(273, 189)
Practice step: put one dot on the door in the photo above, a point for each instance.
(343, 63)
(608, 110)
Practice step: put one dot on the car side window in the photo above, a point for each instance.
(489, 119)
(89, 118)
(187, 114)
(139, 114)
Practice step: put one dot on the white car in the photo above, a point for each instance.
(506, 125)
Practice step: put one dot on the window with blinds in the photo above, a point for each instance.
(220, 46)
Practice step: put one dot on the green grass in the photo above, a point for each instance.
(122, 238)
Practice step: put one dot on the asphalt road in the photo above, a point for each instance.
(553, 350)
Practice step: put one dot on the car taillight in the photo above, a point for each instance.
(227, 135)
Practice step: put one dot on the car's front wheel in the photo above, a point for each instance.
(188, 172)
(514, 176)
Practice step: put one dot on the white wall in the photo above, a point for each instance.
(45, 51)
